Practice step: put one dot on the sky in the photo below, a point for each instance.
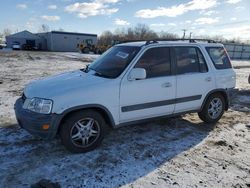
(227, 18)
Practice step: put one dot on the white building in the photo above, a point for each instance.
(52, 41)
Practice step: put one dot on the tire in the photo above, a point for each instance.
(85, 50)
(213, 109)
(97, 51)
(83, 131)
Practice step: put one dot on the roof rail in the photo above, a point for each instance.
(152, 41)
(189, 40)
(126, 41)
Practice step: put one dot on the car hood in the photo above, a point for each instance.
(61, 84)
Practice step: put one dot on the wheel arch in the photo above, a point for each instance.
(99, 108)
(222, 92)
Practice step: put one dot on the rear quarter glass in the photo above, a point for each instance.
(219, 57)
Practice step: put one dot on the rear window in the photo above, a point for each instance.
(219, 57)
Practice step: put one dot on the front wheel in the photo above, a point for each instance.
(85, 50)
(83, 131)
(213, 109)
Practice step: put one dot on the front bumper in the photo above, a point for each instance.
(33, 122)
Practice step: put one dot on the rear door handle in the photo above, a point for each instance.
(167, 84)
(208, 79)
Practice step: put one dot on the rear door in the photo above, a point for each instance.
(153, 96)
(194, 80)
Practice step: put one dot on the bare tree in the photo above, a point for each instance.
(44, 28)
(7, 32)
(143, 32)
(1, 38)
(106, 38)
(139, 32)
(166, 35)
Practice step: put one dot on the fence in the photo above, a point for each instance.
(238, 51)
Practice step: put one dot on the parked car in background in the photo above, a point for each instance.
(16, 46)
(129, 83)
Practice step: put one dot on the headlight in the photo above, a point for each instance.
(38, 105)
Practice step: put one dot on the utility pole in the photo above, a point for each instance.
(190, 35)
(184, 33)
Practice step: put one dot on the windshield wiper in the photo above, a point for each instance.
(87, 69)
(102, 75)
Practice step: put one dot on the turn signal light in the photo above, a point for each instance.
(45, 127)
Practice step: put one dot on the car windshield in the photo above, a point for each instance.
(113, 62)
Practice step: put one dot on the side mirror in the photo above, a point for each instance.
(137, 74)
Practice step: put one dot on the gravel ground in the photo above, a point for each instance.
(173, 152)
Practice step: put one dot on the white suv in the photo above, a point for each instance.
(129, 83)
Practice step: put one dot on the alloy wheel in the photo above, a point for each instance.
(215, 108)
(85, 132)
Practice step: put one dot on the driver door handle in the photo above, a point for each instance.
(208, 79)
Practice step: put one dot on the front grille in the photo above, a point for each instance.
(23, 97)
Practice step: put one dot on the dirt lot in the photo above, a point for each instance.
(175, 152)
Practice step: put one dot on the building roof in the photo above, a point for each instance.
(28, 35)
(24, 34)
(73, 33)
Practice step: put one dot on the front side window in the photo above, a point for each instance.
(156, 62)
(113, 62)
(219, 57)
(189, 60)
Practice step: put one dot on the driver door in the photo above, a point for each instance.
(153, 96)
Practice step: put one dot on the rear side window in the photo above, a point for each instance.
(156, 62)
(189, 60)
(219, 57)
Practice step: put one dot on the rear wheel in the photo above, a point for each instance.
(83, 131)
(98, 51)
(213, 109)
